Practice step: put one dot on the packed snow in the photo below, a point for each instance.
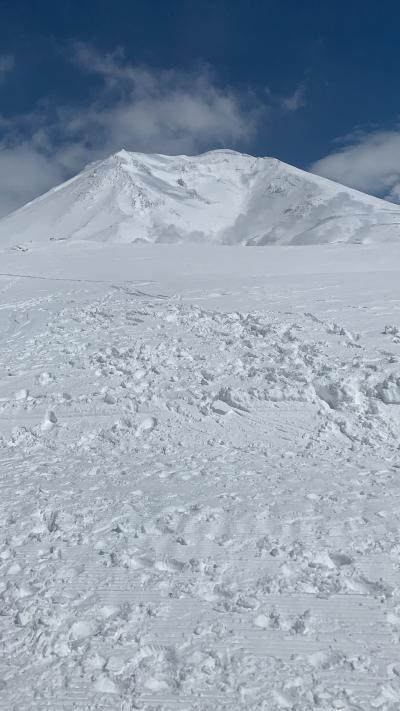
(200, 476)
(220, 197)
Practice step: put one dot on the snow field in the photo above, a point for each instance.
(200, 505)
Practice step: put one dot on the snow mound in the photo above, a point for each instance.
(219, 197)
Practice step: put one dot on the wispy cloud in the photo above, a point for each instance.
(7, 64)
(296, 100)
(369, 161)
(136, 107)
(160, 110)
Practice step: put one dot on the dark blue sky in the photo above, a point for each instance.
(319, 70)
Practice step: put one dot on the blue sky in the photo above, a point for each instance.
(315, 84)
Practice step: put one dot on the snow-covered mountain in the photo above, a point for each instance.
(219, 197)
(199, 447)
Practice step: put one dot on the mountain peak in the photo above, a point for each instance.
(220, 196)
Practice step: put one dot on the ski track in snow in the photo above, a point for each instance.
(200, 507)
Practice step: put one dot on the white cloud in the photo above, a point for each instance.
(6, 65)
(24, 173)
(136, 107)
(371, 163)
(161, 110)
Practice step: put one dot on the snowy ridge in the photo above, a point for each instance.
(220, 197)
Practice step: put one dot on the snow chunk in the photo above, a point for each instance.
(105, 685)
(81, 630)
(146, 426)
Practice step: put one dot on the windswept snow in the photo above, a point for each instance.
(221, 197)
(200, 478)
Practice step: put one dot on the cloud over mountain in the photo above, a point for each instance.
(139, 107)
(369, 161)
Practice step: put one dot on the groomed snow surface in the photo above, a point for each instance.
(200, 478)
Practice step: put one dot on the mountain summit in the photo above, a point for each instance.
(220, 197)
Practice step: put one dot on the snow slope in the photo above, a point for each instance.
(200, 504)
(220, 197)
